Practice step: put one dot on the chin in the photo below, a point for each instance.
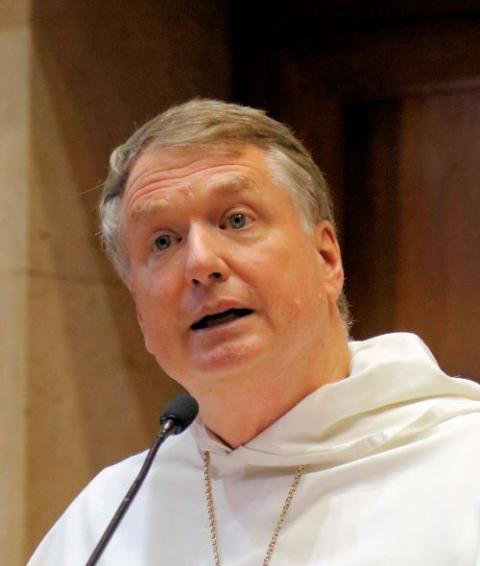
(225, 361)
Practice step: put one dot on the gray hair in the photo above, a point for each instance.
(213, 124)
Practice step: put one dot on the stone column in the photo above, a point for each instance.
(77, 389)
(14, 202)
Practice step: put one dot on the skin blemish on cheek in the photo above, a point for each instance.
(294, 308)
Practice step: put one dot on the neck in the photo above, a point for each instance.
(238, 410)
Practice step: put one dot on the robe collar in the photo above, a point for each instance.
(395, 391)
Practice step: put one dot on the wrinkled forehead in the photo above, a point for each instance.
(176, 157)
(221, 186)
(172, 164)
(227, 169)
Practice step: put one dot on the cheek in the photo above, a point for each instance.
(301, 289)
(158, 329)
(283, 294)
(150, 305)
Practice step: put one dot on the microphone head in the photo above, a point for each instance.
(182, 410)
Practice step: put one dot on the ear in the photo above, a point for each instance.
(328, 249)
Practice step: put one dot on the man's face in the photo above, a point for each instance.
(226, 281)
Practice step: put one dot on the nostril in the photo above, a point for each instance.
(213, 276)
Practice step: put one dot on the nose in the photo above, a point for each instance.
(205, 253)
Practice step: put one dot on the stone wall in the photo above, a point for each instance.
(78, 391)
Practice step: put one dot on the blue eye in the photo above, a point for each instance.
(163, 242)
(237, 220)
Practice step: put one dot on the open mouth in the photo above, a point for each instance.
(220, 318)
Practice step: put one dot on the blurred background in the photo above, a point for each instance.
(385, 94)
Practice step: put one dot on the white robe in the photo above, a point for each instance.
(393, 479)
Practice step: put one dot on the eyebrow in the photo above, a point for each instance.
(221, 186)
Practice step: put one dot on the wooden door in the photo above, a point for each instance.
(388, 98)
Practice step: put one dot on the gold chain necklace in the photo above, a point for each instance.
(211, 511)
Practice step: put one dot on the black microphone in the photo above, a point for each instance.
(179, 415)
(181, 411)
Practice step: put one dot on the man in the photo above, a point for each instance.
(309, 449)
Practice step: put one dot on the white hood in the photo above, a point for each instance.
(395, 392)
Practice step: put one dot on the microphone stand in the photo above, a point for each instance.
(168, 427)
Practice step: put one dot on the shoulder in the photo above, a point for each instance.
(75, 534)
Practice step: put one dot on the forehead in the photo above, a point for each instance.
(159, 172)
(179, 162)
